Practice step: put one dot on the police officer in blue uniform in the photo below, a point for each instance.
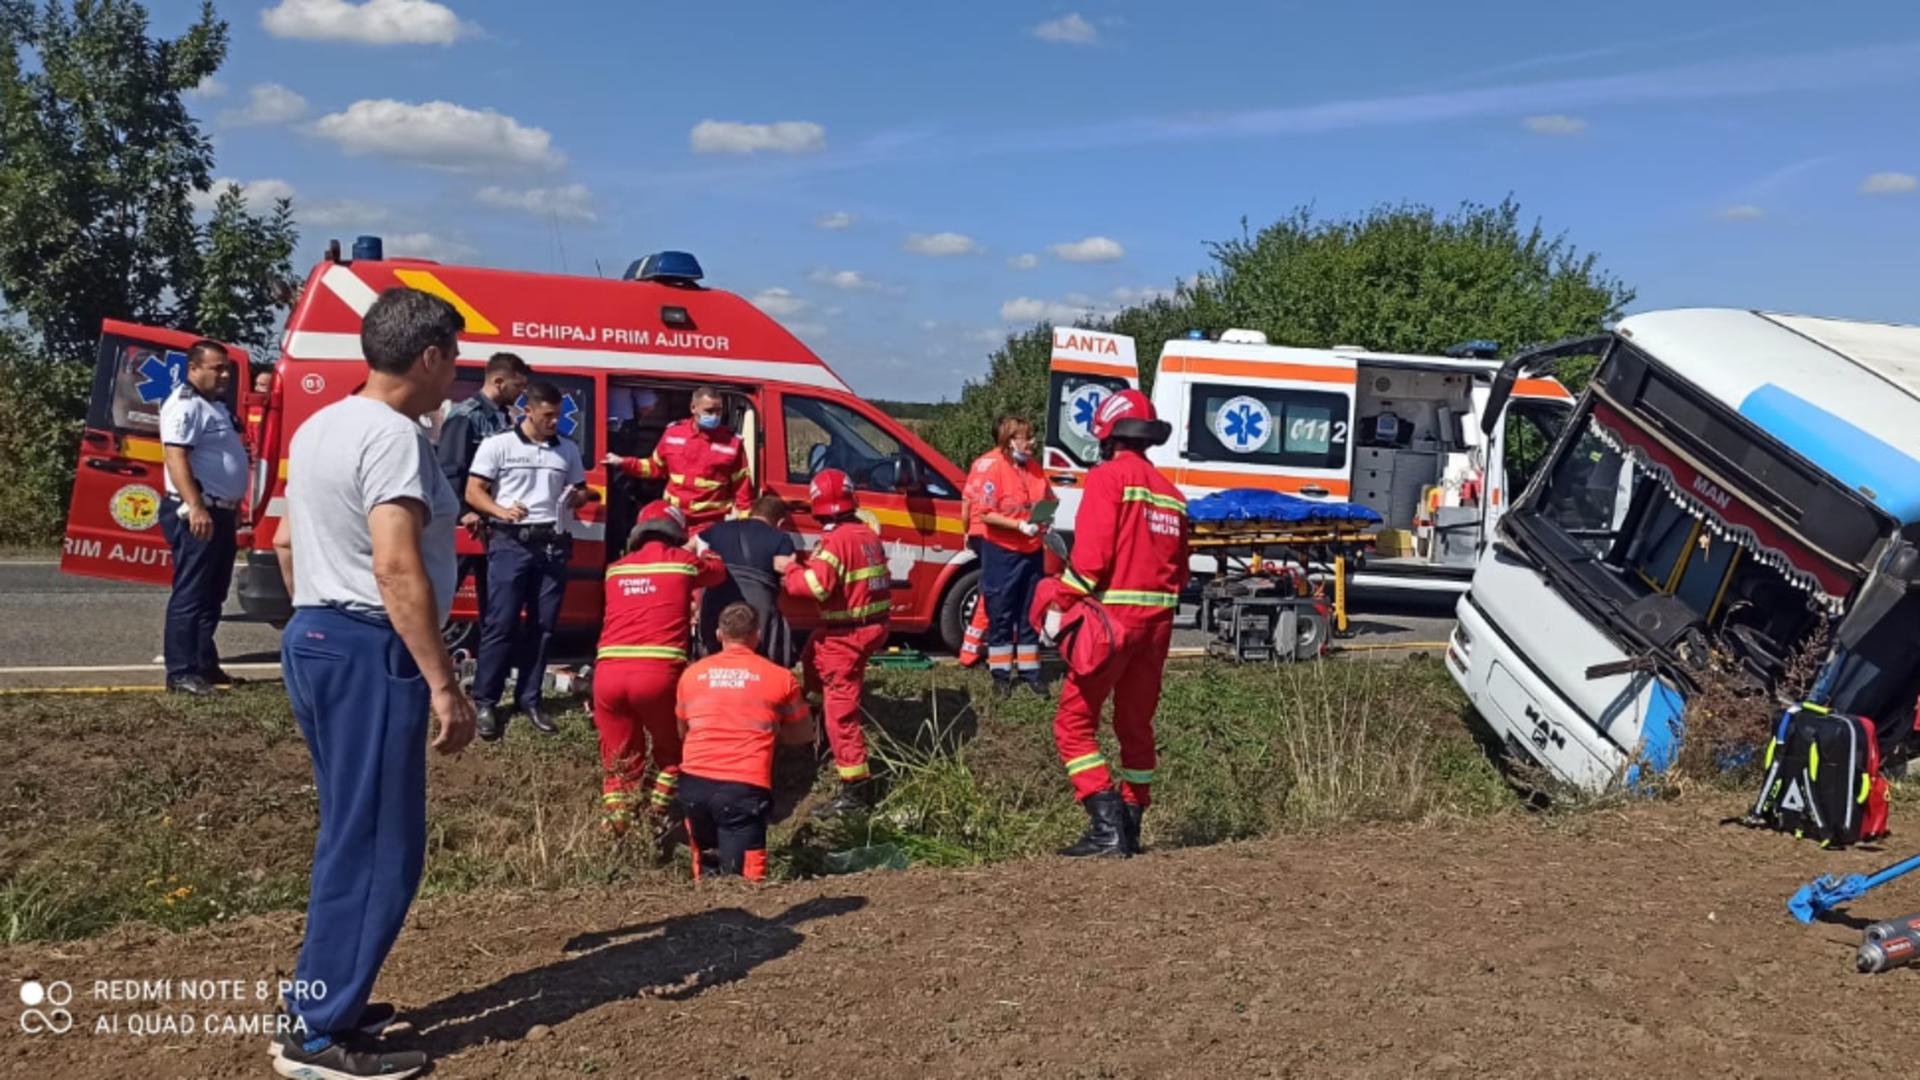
(206, 467)
(527, 481)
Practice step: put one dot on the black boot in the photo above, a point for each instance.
(852, 798)
(1002, 685)
(1106, 822)
(1130, 828)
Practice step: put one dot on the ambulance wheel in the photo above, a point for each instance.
(1310, 635)
(956, 610)
(461, 634)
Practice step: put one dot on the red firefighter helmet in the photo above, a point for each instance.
(1129, 415)
(661, 521)
(832, 494)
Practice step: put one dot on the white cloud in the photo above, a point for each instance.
(1068, 29)
(420, 245)
(260, 194)
(1740, 212)
(1092, 249)
(805, 330)
(208, 89)
(1889, 183)
(786, 137)
(349, 212)
(839, 219)
(1028, 309)
(1554, 124)
(572, 202)
(374, 22)
(1076, 307)
(939, 245)
(779, 303)
(267, 103)
(1024, 262)
(849, 280)
(439, 134)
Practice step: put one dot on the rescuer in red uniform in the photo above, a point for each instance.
(847, 576)
(1129, 555)
(703, 461)
(643, 650)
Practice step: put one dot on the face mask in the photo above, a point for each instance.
(1020, 457)
(707, 421)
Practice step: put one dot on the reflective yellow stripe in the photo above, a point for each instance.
(852, 772)
(640, 652)
(1081, 764)
(703, 482)
(1135, 776)
(820, 592)
(426, 282)
(1075, 582)
(1865, 782)
(677, 478)
(1813, 760)
(868, 573)
(634, 569)
(874, 608)
(1132, 598)
(712, 504)
(646, 467)
(829, 558)
(1148, 495)
(741, 475)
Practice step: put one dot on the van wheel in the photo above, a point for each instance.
(459, 634)
(957, 609)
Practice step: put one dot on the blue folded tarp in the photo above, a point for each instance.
(1252, 506)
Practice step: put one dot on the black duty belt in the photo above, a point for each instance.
(531, 533)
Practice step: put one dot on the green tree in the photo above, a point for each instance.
(99, 165)
(1405, 279)
(243, 273)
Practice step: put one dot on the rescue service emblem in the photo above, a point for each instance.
(1080, 409)
(1243, 424)
(135, 507)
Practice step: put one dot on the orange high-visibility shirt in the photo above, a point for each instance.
(997, 483)
(732, 703)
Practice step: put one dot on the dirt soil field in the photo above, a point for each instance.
(1651, 941)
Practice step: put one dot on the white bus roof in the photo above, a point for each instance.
(1844, 395)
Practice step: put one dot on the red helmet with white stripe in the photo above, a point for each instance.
(658, 520)
(1129, 415)
(832, 494)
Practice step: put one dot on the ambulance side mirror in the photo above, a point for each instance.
(907, 477)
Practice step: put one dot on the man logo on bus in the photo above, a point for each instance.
(1081, 407)
(1242, 424)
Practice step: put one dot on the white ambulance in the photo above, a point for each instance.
(1399, 434)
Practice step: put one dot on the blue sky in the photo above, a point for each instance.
(902, 183)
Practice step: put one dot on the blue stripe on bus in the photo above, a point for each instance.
(1660, 730)
(1887, 475)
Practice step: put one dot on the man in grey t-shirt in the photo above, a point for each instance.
(366, 548)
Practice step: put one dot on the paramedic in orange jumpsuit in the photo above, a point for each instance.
(1003, 487)
(847, 575)
(703, 461)
(1130, 555)
(643, 650)
(734, 705)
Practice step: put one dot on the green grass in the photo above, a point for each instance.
(152, 810)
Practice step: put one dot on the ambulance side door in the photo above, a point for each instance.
(1250, 418)
(113, 518)
(1086, 366)
(819, 432)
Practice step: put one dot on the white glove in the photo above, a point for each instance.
(1028, 528)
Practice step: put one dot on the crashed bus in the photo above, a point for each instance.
(1731, 485)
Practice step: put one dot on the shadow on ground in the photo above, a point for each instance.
(672, 959)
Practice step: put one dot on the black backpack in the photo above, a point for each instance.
(1823, 779)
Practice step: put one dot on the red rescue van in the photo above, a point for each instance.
(627, 355)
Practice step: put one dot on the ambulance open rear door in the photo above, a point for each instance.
(1086, 366)
(113, 518)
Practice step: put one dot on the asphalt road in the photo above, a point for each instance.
(58, 631)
